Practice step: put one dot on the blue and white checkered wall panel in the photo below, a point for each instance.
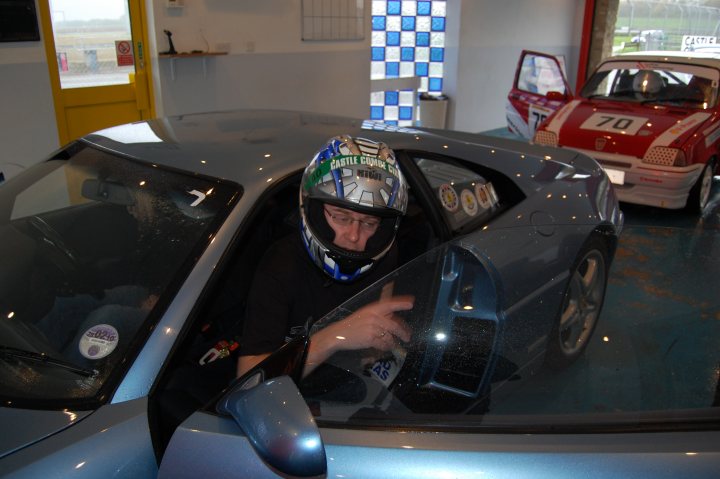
(408, 39)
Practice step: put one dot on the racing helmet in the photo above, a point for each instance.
(360, 175)
(647, 82)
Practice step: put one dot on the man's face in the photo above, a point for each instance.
(352, 229)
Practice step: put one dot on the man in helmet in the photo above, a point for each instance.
(352, 196)
(647, 84)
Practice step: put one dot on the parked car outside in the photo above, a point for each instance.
(650, 119)
(128, 255)
(650, 39)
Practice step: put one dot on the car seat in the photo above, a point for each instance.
(624, 84)
(699, 89)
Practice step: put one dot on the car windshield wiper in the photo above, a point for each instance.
(10, 352)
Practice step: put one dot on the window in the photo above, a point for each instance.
(660, 25)
(408, 40)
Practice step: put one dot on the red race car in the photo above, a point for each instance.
(651, 120)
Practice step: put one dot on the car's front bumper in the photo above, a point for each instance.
(647, 184)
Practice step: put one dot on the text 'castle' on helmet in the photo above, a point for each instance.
(360, 175)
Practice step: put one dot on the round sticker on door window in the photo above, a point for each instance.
(98, 341)
(469, 203)
(448, 197)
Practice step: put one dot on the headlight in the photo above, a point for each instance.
(665, 156)
(547, 138)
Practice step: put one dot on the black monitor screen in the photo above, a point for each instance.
(18, 21)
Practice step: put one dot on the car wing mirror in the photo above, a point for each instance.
(107, 191)
(556, 96)
(279, 425)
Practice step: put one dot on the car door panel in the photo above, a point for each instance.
(207, 445)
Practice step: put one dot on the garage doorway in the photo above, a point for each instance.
(96, 54)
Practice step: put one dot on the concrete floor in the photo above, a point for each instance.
(657, 342)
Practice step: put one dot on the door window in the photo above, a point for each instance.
(93, 42)
(540, 74)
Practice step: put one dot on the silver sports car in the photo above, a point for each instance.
(126, 261)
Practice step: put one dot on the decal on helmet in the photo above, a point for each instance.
(359, 175)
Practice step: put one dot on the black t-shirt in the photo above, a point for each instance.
(288, 290)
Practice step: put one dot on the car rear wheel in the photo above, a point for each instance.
(581, 306)
(700, 192)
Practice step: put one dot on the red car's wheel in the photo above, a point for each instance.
(700, 192)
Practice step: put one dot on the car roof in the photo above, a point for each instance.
(254, 147)
(230, 144)
(708, 59)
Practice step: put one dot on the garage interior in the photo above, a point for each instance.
(266, 65)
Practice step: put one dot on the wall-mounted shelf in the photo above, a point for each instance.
(175, 56)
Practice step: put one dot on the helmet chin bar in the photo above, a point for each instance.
(341, 264)
(346, 269)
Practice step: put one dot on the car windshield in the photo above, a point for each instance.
(650, 365)
(92, 247)
(691, 86)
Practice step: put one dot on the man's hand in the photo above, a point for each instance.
(372, 326)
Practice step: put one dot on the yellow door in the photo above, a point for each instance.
(96, 53)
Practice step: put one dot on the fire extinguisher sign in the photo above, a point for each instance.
(124, 53)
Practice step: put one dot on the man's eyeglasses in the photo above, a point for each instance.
(345, 221)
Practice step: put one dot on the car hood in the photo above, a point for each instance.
(24, 427)
(624, 128)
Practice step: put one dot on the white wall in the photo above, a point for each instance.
(484, 52)
(269, 66)
(28, 131)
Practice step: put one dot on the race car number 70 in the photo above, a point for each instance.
(627, 124)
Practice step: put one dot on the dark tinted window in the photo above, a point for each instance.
(91, 247)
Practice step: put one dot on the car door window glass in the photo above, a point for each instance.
(445, 367)
(464, 196)
(473, 362)
(540, 74)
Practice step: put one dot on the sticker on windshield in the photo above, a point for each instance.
(200, 197)
(98, 341)
(614, 123)
(469, 203)
(449, 197)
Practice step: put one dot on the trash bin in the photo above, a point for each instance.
(432, 110)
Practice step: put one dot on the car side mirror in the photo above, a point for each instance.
(556, 96)
(279, 425)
